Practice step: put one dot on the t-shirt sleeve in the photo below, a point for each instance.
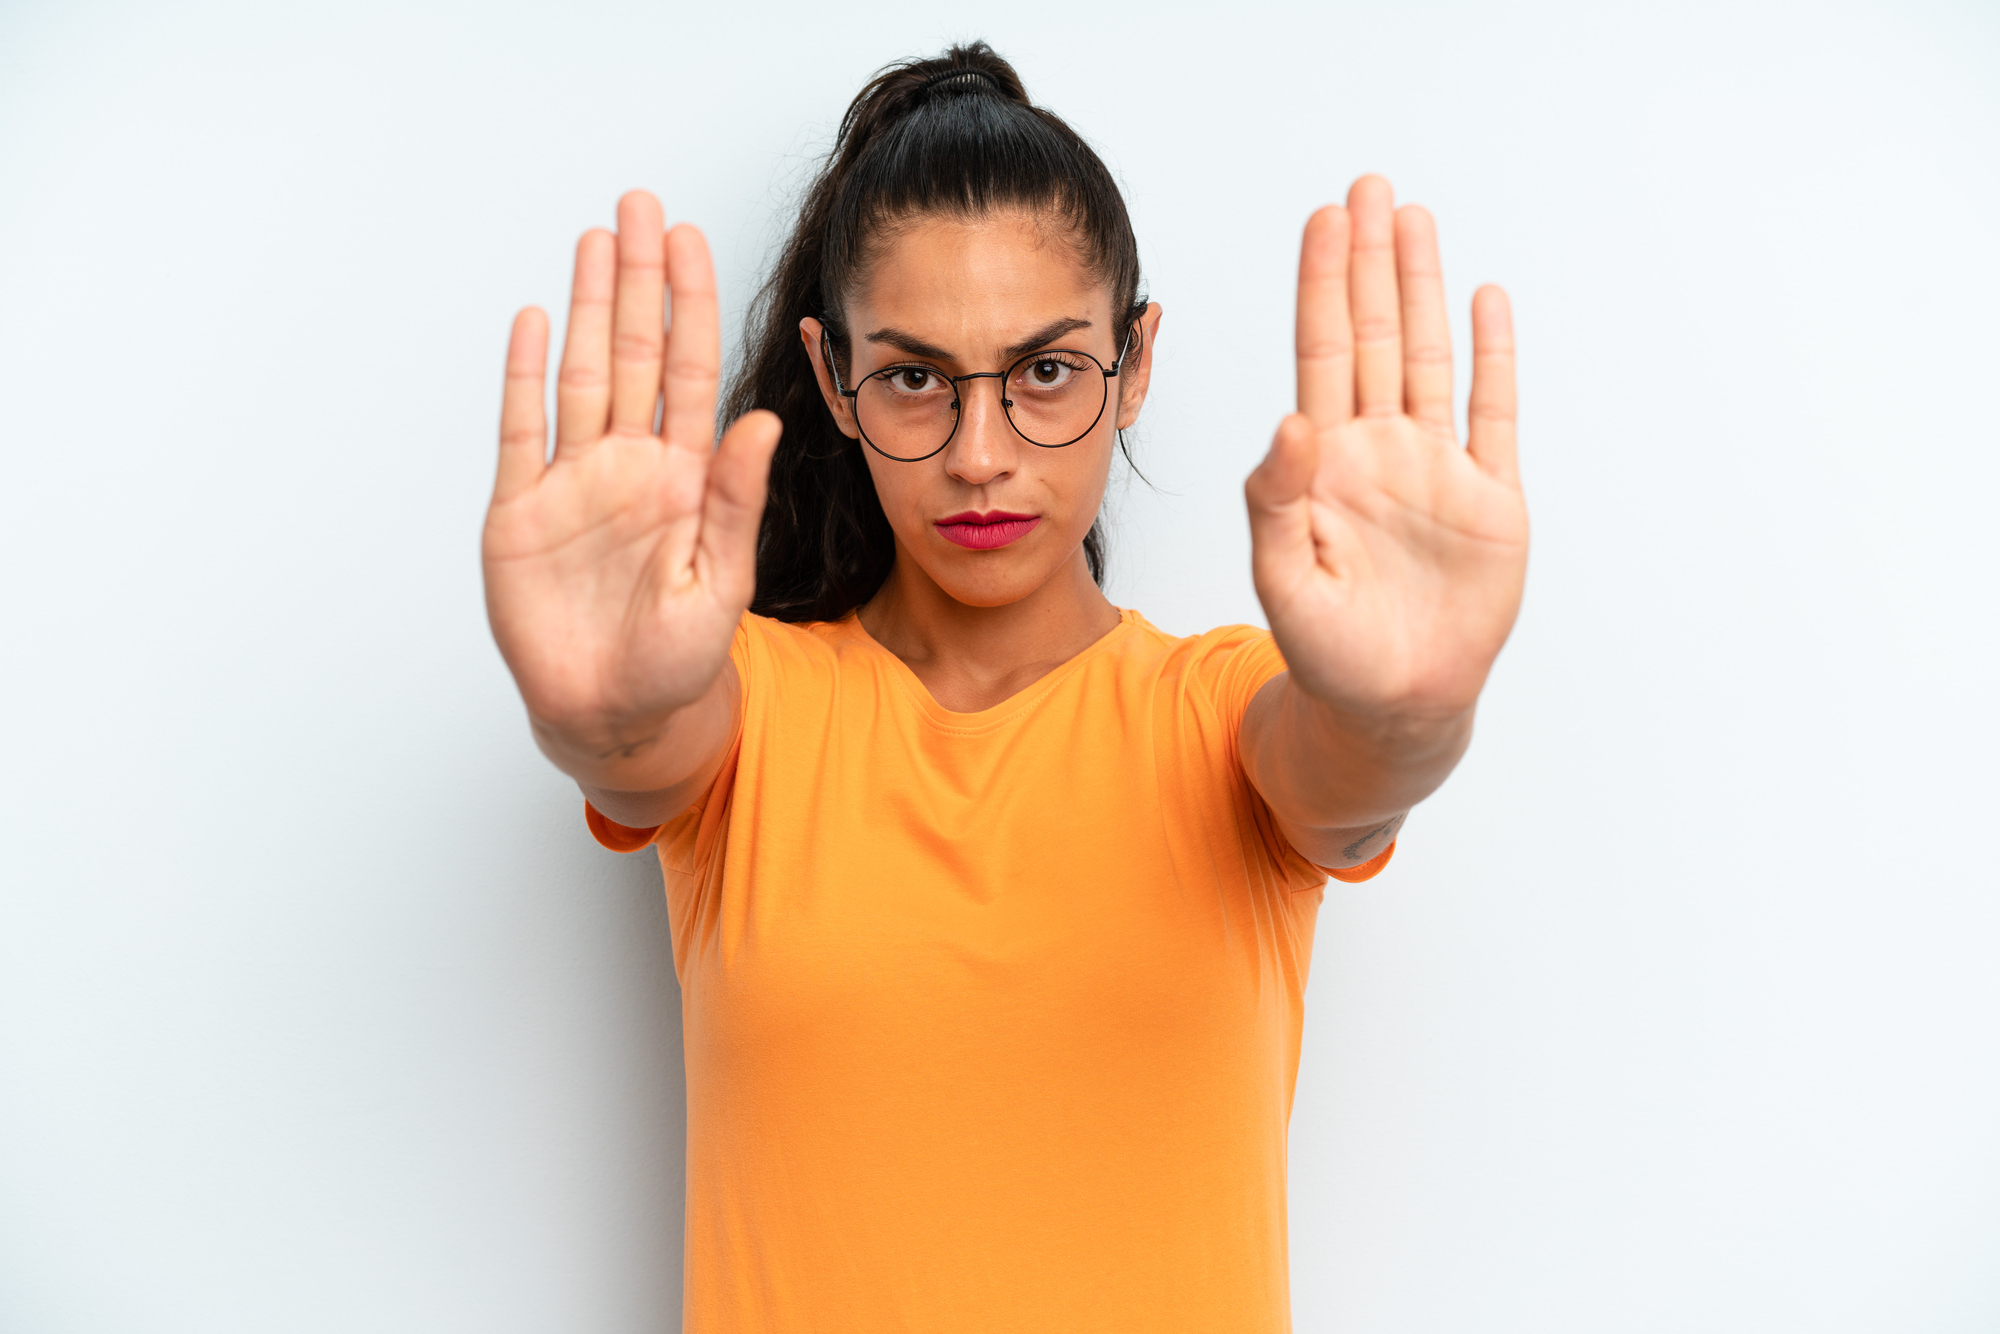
(1241, 660)
(625, 838)
(617, 837)
(1248, 659)
(1367, 870)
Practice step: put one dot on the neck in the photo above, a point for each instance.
(971, 658)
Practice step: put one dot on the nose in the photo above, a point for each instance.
(985, 447)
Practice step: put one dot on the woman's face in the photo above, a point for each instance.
(991, 517)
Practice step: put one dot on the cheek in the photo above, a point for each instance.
(899, 486)
(1084, 470)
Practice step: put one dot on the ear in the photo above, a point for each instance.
(1136, 375)
(842, 407)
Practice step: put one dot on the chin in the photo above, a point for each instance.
(989, 592)
(990, 578)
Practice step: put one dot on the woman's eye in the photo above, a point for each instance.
(913, 379)
(1048, 372)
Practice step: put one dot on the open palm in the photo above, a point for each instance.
(616, 572)
(1389, 560)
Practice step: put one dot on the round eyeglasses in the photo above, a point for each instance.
(909, 412)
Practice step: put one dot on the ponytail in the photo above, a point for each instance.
(954, 135)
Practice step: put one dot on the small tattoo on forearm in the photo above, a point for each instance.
(1387, 828)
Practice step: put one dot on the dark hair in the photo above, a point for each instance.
(953, 135)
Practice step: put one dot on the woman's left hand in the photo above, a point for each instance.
(1389, 559)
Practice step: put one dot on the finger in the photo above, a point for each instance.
(694, 344)
(733, 506)
(1491, 424)
(1426, 332)
(583, 385)
(524, 424)
(639, 319)
(1278, 494)
(1324, 337)
(1371, 281)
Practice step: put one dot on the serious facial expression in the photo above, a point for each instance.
(995, 513)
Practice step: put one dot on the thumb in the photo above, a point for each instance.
(1277, 494)
(733, 506)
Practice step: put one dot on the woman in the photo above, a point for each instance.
(992, 905)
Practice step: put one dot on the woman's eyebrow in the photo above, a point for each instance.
(909, 343)
(917, 347)
(1045, 335)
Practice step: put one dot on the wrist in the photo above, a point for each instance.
(1408, 717)
(600, 751)
(1401, 734)
(641, 751)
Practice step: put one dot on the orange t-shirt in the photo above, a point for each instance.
(991, 1019)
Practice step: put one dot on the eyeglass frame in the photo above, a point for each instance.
(958, 416)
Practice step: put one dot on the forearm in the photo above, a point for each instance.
(643, 771)
(1338, 782)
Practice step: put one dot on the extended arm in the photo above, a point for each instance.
(616, 572)
(1340, 785)
(645, 773)
(1389, 558)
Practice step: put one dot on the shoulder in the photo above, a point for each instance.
(785, 655)
(1211, 659)
(1222, 639)
(811, 640)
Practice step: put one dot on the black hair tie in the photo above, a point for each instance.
(960, 80)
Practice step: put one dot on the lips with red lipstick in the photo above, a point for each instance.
(984, 532)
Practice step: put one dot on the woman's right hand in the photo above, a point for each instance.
(616, 573)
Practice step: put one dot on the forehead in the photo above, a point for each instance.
(973, 284)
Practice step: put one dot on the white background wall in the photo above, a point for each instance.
(1680, 1008)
